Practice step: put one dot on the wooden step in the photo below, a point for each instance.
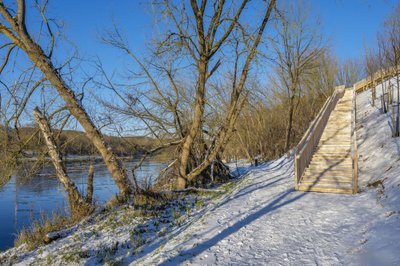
(339, 127)
(334, 142)
(317, 168)
(335, 125)
(333, 148)
(338, 179)
(341, 120)
(319, 182)
(327, 174)
(336, 133)
(332, 154)
(321, 164)
(338, 142)
(331, 134)
(336, 129)
(336, 136)
(332, 166)
(331, 159)
(334, 145)
(327, 151)
(325, 189)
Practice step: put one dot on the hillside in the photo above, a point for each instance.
(259, 219)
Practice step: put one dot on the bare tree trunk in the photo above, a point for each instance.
(388, 95)
(245, 147)
(397, 104)
(195, 127)
(373, 90)
(77, 203)
(385, 107)
(289, 126)
(89, 196)
(393, 113)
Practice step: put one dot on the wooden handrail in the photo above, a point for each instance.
(376, 77)
(305, 149)
(354, 142)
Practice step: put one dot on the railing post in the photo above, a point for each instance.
(296, 171)
(354, 142)
(355, 188)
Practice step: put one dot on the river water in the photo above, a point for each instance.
(23, 201)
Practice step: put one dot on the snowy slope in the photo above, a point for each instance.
(267, 222)
(263, 221)
(380, 162)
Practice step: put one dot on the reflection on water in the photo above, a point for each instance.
(22, 201)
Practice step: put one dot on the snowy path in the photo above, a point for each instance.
(266, 222)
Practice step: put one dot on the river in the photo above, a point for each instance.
(24, 201)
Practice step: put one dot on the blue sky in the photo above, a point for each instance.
(351, 23)
(347, 23)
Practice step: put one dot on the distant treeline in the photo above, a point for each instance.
(73, 142)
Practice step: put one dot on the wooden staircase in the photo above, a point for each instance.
(330, 167)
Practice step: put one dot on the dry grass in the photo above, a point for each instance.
(35, 236)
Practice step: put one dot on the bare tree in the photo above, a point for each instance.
(197, 35)
(77, 203)
(383, 66)
(14, 99)
(297, 48)
(392, 24)
(260, 129)
(371, 68)
(13, 27)
(349, 72)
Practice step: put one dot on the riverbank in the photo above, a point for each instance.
(25, 200)
(123, 233)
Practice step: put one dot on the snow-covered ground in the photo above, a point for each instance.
(266, 222)
(379, 165)
(261, 220)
